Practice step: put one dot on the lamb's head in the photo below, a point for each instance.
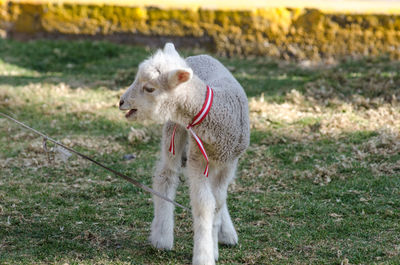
(157, 79)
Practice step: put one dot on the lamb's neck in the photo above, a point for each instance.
(189, 99)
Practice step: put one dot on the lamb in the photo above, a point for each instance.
(172, 90)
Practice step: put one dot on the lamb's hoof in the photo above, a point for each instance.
(228, 237)
(161, 242)
(203, 260)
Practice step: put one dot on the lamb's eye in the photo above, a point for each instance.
(148, 89)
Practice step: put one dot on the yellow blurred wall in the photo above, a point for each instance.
(351, 6)
(296, 33)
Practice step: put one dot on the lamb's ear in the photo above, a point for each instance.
(179, 76)
(169, 48)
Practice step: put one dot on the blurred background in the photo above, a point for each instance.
(288, 29)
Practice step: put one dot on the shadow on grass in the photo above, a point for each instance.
(87, 62)
(57, 56)
(67, 61)
(20, 80)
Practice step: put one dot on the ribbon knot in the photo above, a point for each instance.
(197, 120)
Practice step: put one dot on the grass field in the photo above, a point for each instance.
(320, 183)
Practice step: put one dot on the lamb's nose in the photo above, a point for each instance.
(121, 102)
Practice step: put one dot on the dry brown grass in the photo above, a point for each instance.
(345, 117)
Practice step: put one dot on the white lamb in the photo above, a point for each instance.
(172, 90)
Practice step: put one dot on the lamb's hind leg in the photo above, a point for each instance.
(166, 181)
(222, 227)
(225, 232)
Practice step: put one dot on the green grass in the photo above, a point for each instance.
(320, 183)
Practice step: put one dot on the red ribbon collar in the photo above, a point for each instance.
(197, 120)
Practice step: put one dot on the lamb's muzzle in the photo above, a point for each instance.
(123, 105)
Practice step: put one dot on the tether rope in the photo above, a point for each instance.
(134, 182)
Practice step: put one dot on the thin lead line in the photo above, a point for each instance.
(134, 182)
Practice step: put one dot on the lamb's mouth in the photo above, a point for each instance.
(130, 113)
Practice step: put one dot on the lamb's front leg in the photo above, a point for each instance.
(203, 207)
(166, 181)
(162, 227)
